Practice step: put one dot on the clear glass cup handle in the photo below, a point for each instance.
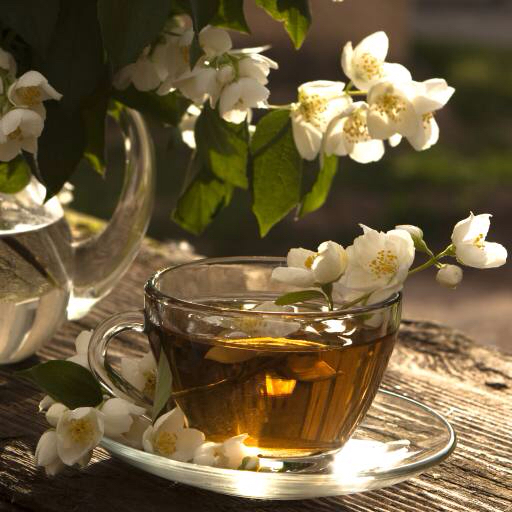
(110, 380)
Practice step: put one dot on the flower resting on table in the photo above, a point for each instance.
(377, 264)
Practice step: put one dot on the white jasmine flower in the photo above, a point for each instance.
(319, 102)
(54, 413)
(78, 432)
(237, 99)
(378, 260)
(66, 195)
(82, 347)
(229, 454)
(145, 73)
(307, 268)
(256, 66)
(187, 125)
(471, 248)
(429, 96)
(414, 231)
(449, 276)
(214, 41)
(170, 438)
(140, 373)
(119, 416)
(347, 134)
(173, 56)
(197, 83)
(30, 90)
(19, 130)
(365, 64)
(46, 403)
(46, 453)
(392, 110)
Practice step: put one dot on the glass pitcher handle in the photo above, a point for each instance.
(100, 261)
(110, 380)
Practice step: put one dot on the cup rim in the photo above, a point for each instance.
(151, 290)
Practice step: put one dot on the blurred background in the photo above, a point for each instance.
(468, 42)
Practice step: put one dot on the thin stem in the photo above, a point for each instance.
(284, 107)
(356, 93)
(432, 261)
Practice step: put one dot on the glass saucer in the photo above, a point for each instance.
(398, 439)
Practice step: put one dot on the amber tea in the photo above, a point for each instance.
(295, 395)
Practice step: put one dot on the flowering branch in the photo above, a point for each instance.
(377, 264)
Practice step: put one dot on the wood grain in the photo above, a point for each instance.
(469, 384)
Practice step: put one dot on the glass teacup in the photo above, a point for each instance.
(297, 379)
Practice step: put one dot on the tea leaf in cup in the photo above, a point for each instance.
(163, 388)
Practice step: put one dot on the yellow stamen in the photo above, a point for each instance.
(16, 134)
(165, 443)
(479, 241)
(312, 106)
(390, 105)
(355, 127)
(81, 431)
(309, 261)
(150, 384)
(384, 264)
(369, 67)
(29, 95)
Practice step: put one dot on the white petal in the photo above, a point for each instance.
(496, 255)
(394, 140)
(234, 451)
(82, 342)
(473, 226)
(346, 59)
(369, 151)
(206, 454)
(376, 44)
(432, 95)
(80, 359)
(134, 436)
(297, 257)
(46, 403)
(307, 138)
(119, 415)
(330, 263)
(31, 123)
(187, 442)
(449, 276)
(252, 92)
(396, 72)
(214, 41)
(236, 116)
(294, 276)
(46, 450)
(145, 75)
(426, 135)
(170, 422)
(54, 413)
(147, 439)
(229, 97)
(334, 142)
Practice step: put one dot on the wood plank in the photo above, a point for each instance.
(469, 384)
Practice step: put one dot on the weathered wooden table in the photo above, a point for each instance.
(469, 384)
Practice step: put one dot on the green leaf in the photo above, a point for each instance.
(66, 382)
(167, 109)
(302, 296)
(60, 147)
(201, 202)
(33, 20)
(74, 64)
(223, 146)
(163, 389)
(231, 15)
(294, 14)
(277, 169)
(94, 124)
(14, 175)
(316, 197)
(128, 26)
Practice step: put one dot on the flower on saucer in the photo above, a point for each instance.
(471, 248)
(54, 412)
(46, 453)
(78, 432)
(170, 438)
(307, 268)
(140, 373)
(231, 454)
(119, 417)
